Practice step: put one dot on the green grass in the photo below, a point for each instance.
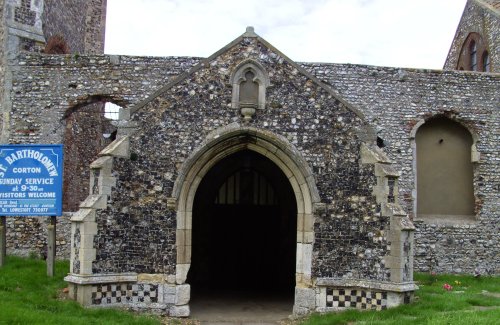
(28, 296)
(472, 301)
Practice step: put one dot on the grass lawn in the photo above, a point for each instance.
(28, 296)
(471, 301)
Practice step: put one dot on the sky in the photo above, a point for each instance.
(398, 33)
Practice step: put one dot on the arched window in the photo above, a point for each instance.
(473, 56)
(486, 62)
(444, 169)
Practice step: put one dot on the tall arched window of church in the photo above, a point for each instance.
(486, 62)
(473, 56)
(444, 169)
(249, 90)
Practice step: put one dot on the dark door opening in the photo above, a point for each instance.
(244, 229)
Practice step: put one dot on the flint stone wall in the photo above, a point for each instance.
(80, 22)
(350, 237)
(393, 100)
(46, 88)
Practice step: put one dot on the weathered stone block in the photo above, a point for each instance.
(182, 294)
(169, 296)
(305, 298)
(179, 311)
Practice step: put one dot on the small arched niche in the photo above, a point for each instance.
(444, 170)
(249, 81)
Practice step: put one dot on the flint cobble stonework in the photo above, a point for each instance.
(80, 22)
(137, 221)
(55, 86)
(354, 236)
(27, 236)
(394, 101)
(174, 124)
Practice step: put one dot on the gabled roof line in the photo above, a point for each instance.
(309, 75)
(249, 33)
(178, 79)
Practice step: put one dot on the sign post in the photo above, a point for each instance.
(51, 247)
(31, 185)
(3, 240)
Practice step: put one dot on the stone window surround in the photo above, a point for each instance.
(475, 158)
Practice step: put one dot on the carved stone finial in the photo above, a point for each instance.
(250, 32)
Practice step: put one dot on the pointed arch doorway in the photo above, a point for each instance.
(244, 229)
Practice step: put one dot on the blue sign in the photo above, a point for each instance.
(31, 180)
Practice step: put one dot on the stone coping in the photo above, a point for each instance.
(101, 278)
(368, 284)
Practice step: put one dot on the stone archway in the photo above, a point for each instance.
(244, 229)
(278, 150)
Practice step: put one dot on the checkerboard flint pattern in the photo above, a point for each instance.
(124, 293)
(356, 298)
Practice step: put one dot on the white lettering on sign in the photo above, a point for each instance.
(19, 210)
(25, 170)
(10, 181)
(37, 181)
(12, 195)
(33, 154)
(41, 194)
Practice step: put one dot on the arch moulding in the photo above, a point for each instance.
(222, 143)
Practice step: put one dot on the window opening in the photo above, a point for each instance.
(380, 142)
(112, 111)
(391, 182)
(473, 56)
(89, 128)
(486, 62)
